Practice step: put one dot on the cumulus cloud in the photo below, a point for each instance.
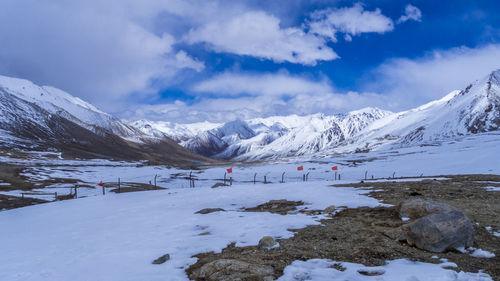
(183, 60)
(243, 96)
(411, 13)
(259, 34)
(227, 109)
(349, 20)
(280, 84)
(412, 82)
(93, 49)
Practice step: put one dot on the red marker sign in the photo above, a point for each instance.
(100, 184)
(300, 168)
(230, 170)
(335, 168)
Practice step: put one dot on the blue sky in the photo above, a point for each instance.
(191, 60)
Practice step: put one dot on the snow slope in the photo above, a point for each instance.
(60, 103)
(473, 110)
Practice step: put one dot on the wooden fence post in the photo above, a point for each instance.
(119, 185)
(283, 177)
(254, 175)
(230, 180)
(366, 172)
(335, 175)
(55, 194)
(103, 190)
(224, 177)
(265, 179)
(155, 180)
(307, 176)
(76, 191)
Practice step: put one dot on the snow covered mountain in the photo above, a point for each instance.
(46, 118)
(58, 102)
(473, 110)
(272, 137)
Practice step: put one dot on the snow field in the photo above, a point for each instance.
(117, 237)
(395, 270)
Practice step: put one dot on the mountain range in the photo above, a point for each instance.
(48, 119)
(473, 110)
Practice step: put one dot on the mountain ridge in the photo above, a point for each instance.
(49, 119)
(472, 110)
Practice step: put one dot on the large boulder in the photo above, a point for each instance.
(267, 242)
(228, 269)
(435, 226)
(418, 208)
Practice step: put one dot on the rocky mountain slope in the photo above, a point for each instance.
(472, 110)
(475, 109)
(45, 118)
(272, 137)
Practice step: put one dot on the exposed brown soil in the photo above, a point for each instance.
(12, 202)
(281, 207)
(362, 235)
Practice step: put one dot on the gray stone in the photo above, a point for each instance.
(228, 269)
(267, 242)
(440, 232)
(329, 209)
(418, 208)
(162, 259)
(209, 210)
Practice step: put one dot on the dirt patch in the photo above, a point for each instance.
(11, 202)
(362, 235)
(281, 207)
(11, 174)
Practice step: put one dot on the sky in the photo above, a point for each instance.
(196, 60)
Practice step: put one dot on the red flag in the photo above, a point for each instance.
(100, 184)
(335, 168)
(230, 170)
(300, 168)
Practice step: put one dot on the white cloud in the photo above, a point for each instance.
(259, 34)
(411, 82)
(411, 13)
(227, 109)
(183, 60)
(244, 96)
(93, 49)
(279, 84)
(349, 20)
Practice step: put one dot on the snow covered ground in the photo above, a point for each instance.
(117, 237)
(396, 270)
(463, 157)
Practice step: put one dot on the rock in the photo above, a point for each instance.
(162, 259)
(228, 269)
(418, 208)
(436, 226)
(329, 209)
(267, 242)
(209, 210)
(219, 185)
